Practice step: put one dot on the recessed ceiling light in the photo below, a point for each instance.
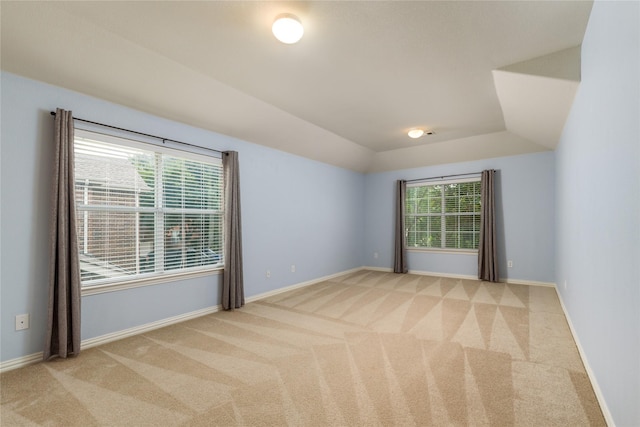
(415, 133)
(287, 28)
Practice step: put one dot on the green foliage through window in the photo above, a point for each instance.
(443, 215)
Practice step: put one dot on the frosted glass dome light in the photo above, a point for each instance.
(287, 28)
(415, 133)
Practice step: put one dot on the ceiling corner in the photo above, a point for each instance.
(536, 95)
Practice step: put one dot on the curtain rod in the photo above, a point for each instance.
(53, 113)
(443, 177)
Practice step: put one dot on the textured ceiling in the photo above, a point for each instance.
(364, 73)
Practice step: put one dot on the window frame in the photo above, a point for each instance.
(442, 249)
(160, 211)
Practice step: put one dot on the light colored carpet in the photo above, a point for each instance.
(365, 349)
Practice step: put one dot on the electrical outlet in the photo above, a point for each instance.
(565, 284)
(509, 264)
(22, 322)
(375, 255)
(268, 274)
(293, 268)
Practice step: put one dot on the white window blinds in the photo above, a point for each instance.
(443, 215)
(145, 210)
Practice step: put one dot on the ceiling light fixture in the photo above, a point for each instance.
(415, 133)
(287, 28)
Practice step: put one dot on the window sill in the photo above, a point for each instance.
(147, 281)
(445, 251)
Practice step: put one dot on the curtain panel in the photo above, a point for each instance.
(233, 281)
(63, 317)
(400, 253)
(487, 249)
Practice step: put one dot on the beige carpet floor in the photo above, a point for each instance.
(365, 349)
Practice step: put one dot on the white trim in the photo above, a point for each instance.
(418, 249)
(424, 273)
(447, 275)
(592, 378)
(19, 362)
(148, 281)
(300, 285)
(529, 283)
(466, 277)
(103, 339)
(382, 269)
(439, 180)
(136, 330)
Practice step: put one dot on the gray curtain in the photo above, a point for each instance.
(63, 325)
(232, 282)
(487, 250)
(400, 257)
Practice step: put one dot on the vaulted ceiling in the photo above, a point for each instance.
(489, 78)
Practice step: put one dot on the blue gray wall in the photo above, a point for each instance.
(295, 211)
(598, 207)
(571, 217)
(525, 199)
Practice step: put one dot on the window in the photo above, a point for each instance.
(445, 215)
(144, 210)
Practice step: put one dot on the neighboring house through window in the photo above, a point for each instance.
(145, 210)
(444, 215)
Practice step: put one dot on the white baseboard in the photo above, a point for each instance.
(103, 339)
(529, 283)
(383, 269)
(594, 382)
(446, 275)
(19, 362)
(136, 330)
(300, 285)
(596, 388)
(423, 273)
(465, 276)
